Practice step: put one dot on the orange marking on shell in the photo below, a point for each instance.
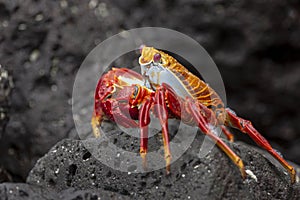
(196, 87)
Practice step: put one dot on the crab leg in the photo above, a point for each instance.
(210, 118)
(161, 109)
(246, 127)
(227, 133)
(96, 121)
(144, 120)
(205, 128)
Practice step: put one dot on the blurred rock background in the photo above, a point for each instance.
(255, 44)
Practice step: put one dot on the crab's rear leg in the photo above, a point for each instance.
(246, 127)
(205, 128)
(144, 119)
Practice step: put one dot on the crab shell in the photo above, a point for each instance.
(156, 73)
(158, 67)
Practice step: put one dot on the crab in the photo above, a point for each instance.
(128, 98)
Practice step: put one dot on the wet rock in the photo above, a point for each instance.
(68, 164)
(16, 191)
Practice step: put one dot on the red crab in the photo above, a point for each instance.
(128, 97)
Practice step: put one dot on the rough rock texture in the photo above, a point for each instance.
(6, 85)
(69, 164)
(16, 191)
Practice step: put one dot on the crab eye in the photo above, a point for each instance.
(156, 57)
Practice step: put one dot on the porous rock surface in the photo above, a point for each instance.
(16, 191)
(69, 164)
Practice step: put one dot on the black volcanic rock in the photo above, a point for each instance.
(68, 164)
(21, 191)
(6, 85)
(4, 176)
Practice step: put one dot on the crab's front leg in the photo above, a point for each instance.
(144, 121)
(246, 127)
(162, 114)
(158, 104)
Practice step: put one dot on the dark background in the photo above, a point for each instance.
(255, 44)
